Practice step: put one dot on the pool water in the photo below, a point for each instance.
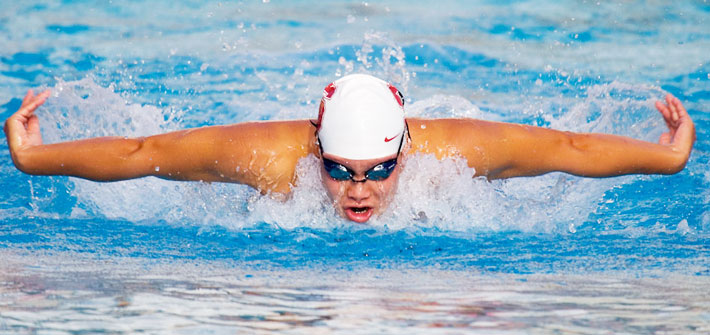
(554, 254)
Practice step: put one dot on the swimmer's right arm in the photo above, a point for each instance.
(243, 153)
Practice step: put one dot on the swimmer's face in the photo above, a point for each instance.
(359, 201)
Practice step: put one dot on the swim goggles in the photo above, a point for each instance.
(378, 172)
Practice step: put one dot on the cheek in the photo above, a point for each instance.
(381, 188)
(384, 190)
(334, 188)
(388, 187)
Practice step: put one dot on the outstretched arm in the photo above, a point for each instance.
(538, 151)
(260, 154)
(502, 150)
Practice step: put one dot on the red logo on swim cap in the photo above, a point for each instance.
(390, 139)
(328, 92)
(397, 95)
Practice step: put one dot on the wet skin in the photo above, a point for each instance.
(359, 201)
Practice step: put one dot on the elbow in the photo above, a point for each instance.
(135, 146)
(579, 143)
(137, 154)
(130, 159)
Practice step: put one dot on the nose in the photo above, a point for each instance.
(358, 191)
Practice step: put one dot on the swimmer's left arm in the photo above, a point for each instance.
(530, 151)
(504, 150)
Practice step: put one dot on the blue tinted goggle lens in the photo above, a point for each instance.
(381, 171)
(336, 171)
(339, 172)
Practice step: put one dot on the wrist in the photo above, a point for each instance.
(677, 160)
(26, 160)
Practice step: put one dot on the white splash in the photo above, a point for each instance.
(615, 108)
(380, 56)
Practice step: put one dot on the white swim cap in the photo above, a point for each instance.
(361, 117)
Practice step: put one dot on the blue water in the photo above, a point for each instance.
(550, 254)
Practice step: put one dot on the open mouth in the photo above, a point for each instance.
(359, 214)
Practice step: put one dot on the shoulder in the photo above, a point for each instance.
(267, 152)
(482, 143)
(289, 130)
(456, 130)
(435, 135)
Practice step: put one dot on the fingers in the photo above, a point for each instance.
(675, 107)
(28, 96)
(667, 137)
(39, 99)
(663, 109)
(672, 111)
(681, 130)
(31, 102)
(674, 114)
(670, 101)
(33, 124)
(25, 114)
(678, 106)
(22, 128)
(27, 99)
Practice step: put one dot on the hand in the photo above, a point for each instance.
(681, 131)
(22, 128)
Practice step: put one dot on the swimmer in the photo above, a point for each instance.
(361, 136)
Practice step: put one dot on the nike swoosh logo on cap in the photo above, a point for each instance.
(390, 139)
